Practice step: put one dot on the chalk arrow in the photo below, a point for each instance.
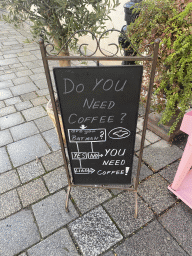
(91, 170)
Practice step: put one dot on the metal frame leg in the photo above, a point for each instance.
(136, 205)
(67, 199)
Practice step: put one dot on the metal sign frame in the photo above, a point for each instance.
(152, 57)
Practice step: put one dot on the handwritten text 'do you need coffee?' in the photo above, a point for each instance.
(94, 104)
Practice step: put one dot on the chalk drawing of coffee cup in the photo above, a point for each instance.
(119, 133)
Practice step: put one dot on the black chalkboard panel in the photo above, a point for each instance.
(99, 108)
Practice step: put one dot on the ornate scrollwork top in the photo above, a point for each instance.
(133, 51)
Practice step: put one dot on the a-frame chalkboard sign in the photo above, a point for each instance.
(99, 109)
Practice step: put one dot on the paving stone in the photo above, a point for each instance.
(8, 56)
(95, 232)
(31, 46)
(6, 84)
(41, 84)
(151, 240)
(7, 110)
(24, 53)
(39, 101)
(12, 42)
(56, 180)
(178, 222)
(21, 80)
(5, 94)
(8, 62)
(9, 203)
(50, 213)
(45, 105)
(44, 123)
(17, 65)
(12, 101)
(169, 172)
(11, 120)
(38, 70)
(138, 142)
(30, 171)
(144, 172)
(2, 104)
(122, 210)
(53, 160)
(152, 137)
(23, 88)
(110, 253)
(6, 77)
(8, 181)
(23, 130)
(23, 105)
(52, 139)
(26, 150)
(24, 73)
(37, 76)
(31, 64)
(11, 70)
(88, 198)
(9, 51)
(43, 92)
(34, 113)
(160, 154)
(22, 254)
(5, 164)
(21, 223)
(5, 138)
(28, 96)
(32, 192)
(27, 58)
(21, 69)
(59, 244)
(140, 121)
(154, 191)
(37, 53)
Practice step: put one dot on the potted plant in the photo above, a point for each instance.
(56, 21)
(169, 20)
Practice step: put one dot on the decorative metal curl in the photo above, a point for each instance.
(98, 45)
(117, 46)
(69, 40)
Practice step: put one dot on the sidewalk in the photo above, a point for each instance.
(33, 182)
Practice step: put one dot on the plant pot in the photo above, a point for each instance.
(160, 129)
(50, 112)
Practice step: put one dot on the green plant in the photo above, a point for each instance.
(169, 20)
(57, 20)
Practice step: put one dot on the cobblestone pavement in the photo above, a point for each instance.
(33, 183)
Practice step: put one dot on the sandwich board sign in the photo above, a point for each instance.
(99, 109)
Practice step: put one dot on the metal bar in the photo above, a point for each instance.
(50, 86)
(104, 187)
(136, 205)
(150, 90)
(67, 199)
(95, 58)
